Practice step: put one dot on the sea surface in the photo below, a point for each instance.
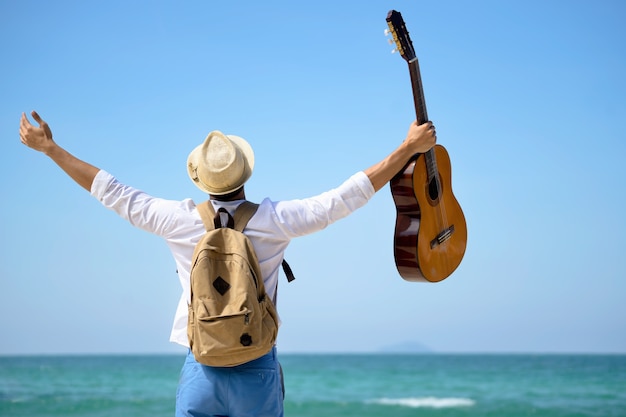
(331, 385)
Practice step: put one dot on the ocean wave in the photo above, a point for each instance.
(425, 402)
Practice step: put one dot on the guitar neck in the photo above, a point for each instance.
(404, 46)
(418, 92)
(421, 113)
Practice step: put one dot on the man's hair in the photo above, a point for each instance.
(229, 196)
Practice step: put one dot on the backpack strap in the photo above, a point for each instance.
(242, 216)
(288, 272)
(207, 214)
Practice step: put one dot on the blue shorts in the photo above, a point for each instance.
(253, 389)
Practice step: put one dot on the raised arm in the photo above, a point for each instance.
(419, 139)
(40, 139)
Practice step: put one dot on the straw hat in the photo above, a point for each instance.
(221, 164)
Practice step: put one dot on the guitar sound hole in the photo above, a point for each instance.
(433, 189)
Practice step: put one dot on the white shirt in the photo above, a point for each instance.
(270, 229)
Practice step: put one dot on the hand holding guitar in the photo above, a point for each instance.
(420, 138)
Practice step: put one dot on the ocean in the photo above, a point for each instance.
(363, 385)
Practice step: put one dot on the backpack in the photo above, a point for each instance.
(231, 318)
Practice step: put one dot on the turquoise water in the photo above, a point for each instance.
(331, 385)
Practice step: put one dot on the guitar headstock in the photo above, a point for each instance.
(400, 34)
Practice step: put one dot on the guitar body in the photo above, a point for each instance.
(431, 234)
(422, 213)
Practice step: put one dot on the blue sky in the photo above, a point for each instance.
(528, 98)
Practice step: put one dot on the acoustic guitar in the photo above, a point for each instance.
(430, 233)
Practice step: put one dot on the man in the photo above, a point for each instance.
(220, 166)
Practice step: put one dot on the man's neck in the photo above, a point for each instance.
(236, 195)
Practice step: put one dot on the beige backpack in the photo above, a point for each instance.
(231, 318)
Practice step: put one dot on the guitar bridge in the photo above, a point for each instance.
(442, 237)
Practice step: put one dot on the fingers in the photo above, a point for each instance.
(432, 130)
(430, 136)
(27, 128)
(429, 129)
(24, 120)
(37, 117)
(42, 124)
(24, 125)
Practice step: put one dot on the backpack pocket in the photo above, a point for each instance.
(234, 336)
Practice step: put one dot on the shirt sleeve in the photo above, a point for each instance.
(301, 217)
(154, 215)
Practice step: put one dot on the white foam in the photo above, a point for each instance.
(426, 402)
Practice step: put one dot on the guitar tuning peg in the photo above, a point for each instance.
(387, 32)
(394, 50)
(390, 41)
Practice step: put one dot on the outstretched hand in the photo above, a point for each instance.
(39, 137)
